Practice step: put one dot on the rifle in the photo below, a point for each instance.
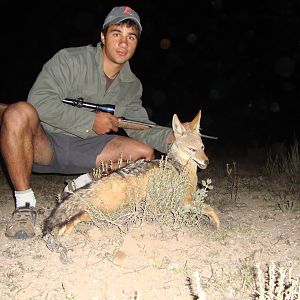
(110, 108)
(122, 123)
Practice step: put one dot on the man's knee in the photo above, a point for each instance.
(20, 114)
(138, 150)
(147, 152)
(2, 109)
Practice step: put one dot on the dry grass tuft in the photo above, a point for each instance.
(233, 181)
(195, 286)
(286, 166)
(286, 171)
(277, 284)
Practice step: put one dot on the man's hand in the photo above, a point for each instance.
(104, 123)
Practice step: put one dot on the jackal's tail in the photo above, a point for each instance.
(71, 208)
(208, 211)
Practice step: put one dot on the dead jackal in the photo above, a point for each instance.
(110, 193)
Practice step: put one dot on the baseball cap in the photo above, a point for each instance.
(121, 13)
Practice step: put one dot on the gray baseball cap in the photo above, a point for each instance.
(121, 13)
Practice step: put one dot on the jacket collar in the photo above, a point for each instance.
(125, 73)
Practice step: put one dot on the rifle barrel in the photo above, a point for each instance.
(110, 108)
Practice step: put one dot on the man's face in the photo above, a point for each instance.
(119, 43)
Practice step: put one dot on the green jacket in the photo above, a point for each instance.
(78, 72)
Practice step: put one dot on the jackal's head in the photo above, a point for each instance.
(188, 145)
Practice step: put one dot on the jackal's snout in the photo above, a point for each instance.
(203, 164)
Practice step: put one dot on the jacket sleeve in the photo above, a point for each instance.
(155, 137)
(52, 85)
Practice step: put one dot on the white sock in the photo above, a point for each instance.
(78, 183)
(23, 197)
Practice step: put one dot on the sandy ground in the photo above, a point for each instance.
(150, 261)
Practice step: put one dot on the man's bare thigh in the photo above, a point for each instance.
(42, 148)
(125, 147)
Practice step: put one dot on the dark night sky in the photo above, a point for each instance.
(236, 60)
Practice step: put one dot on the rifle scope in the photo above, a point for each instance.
(110, 108)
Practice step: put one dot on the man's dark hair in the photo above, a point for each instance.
(128, 23)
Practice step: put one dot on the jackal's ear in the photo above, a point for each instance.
(195, 124)
(177, 126)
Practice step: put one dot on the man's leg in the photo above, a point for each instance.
(23, 141)
(125, 147)
(119, 147)
(2, 109)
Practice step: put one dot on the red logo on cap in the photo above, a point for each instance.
(127, 10)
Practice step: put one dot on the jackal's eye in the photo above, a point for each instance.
(192, 150)
(202, 147)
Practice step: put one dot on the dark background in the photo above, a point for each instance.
(238, 61)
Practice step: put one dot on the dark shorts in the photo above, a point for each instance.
(73, 155)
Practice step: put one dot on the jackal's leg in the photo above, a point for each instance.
(189, 196)
(67, 228)
(208, 211)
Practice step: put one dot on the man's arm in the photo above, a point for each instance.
(51, 86)
(158, 137)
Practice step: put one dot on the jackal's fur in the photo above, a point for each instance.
(110, 193)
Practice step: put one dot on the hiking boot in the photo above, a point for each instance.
(21, 225)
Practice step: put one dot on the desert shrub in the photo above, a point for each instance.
(162, 204)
